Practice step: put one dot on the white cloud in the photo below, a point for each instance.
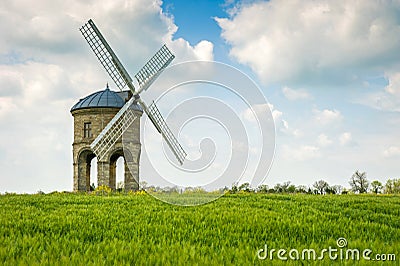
(300, 153)
(327, 116)
(204, 50)
(7, 107)
(297, 133)
(392, 151)
(288, 130)
(338, 47)
(323, 140)
(308, 40)
(201, 51)
(281, 124)
(389, 98)
(46, 66)
(135, 29)
(294, 95)
(393, 87)
(345, 138)
(251, 113)
(276, 114)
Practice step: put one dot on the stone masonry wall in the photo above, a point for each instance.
(99, 118)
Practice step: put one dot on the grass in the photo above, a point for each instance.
(85, 229)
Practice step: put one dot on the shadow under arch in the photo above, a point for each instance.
(114, 156)
(129, 182)
(84, 164)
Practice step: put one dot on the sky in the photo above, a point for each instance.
(330, 71)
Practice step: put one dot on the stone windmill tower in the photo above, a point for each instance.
(101, 118)
(91, 114)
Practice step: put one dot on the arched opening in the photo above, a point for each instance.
(93, 174)
(120, 174)
(84, 170)
(117, 171)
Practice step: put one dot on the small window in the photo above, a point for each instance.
(87, 130)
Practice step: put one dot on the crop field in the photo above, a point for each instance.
(237, 229)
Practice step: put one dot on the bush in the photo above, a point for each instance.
(103, 190)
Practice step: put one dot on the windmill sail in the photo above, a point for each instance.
(145, 77)
(162, 127)
(106, 56)
(153, 68)
(114, 130)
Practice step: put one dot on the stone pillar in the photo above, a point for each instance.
(131, 181)
(103, 173)
(83, 172)
(76, 178)
(132, 157)
(112, 175)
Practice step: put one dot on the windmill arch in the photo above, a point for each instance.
(85, 157)
(114, 156)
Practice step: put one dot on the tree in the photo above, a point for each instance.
(198, 189)
(282, 188)
(245, 187)
(301, 189)
(142, 185)
(174, 189)
(330, 190)
(321, 186)
(396, 185)
(335, 189)
(291, 189)
(262, 188)
(224, 189)
(392, 186)
(234, 188)
(278, 188)
(285, 186)
(359, 182)
(376, 186)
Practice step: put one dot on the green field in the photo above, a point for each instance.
(69, 229)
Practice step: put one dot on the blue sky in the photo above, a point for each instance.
(329, 69)
(202, 26)
(195, 21)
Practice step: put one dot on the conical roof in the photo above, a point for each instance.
(104, 99)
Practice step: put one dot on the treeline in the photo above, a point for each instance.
(358, 184)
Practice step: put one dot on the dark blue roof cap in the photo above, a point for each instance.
(104, 99)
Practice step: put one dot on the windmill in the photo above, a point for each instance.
(143, 79)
